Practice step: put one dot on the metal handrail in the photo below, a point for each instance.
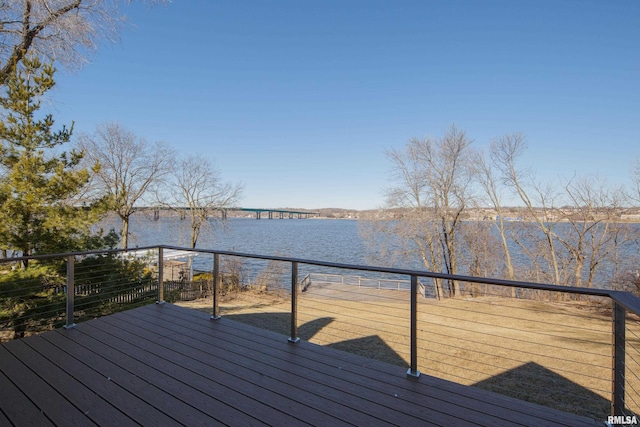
(307, 281)
(629, 301)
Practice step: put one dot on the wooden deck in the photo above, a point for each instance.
(164, 365)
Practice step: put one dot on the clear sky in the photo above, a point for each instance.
(299, 100)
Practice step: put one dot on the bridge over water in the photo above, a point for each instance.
(281, 213)
(270, 213)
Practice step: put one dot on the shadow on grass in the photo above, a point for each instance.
(535, 383)
(371, 346)
(281, 323)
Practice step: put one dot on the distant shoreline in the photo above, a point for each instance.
(512, 214)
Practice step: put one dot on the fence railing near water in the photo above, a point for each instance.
(130, 295)
(364, 282)
(187, 291)
(618, 354)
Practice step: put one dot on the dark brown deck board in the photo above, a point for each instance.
(167, 365)
(308, 387)
(87, 401)
(156, 387)
(15, 405)
(223, 388)
(137, 398)
(331, 384)
(484, 407)
(100, 377)
(49, 401)
(4, 421)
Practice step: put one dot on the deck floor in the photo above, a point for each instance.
(165, 365)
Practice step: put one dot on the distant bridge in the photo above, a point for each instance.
(281, 213)
(271, 213)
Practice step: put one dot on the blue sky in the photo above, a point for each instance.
(299, 100)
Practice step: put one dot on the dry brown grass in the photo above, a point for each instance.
(558, 355)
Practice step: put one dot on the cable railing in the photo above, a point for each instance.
(575, 349)
(58, 290)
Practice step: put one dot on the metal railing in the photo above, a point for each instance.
(363, 282)
(625, 307)
(59, 289)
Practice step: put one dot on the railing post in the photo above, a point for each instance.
(216, 272)
(294, 303)
(413, 369)
(70, 292)
(619, 350)
(160, 277)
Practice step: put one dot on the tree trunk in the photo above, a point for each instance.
(125, 232)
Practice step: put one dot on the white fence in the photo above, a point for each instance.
(363, 282)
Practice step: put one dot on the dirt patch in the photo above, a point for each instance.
(241, 302)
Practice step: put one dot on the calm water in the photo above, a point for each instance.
(317, 239)
(320, 239)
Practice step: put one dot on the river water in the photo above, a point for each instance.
(328, 240)
(318, 239)
(338, 241)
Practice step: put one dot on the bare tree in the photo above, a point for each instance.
(505, 153)
(63, 31)
(595, 233)
(485, 171)
(198, 186)
(129, 167)
(481, 252)
(434, 187)
(415, 225)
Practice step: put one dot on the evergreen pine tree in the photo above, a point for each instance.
(40, 184)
